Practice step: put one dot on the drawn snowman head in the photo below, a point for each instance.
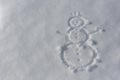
(76, 20)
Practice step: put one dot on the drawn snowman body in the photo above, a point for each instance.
(76, 54)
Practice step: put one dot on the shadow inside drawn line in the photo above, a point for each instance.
(92, 68)
(63, 48)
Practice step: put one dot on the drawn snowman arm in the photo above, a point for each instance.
(98, 29)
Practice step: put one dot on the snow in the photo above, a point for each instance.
(33, 35)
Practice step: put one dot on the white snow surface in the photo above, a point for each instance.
(29, 38)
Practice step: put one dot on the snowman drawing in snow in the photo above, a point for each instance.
(77, 53)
